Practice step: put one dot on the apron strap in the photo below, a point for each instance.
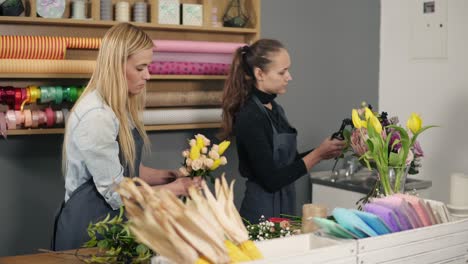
(262, 108)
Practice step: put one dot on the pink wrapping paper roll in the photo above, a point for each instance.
(225, 58)
(195, 46)
(189, 68)
(46, 66)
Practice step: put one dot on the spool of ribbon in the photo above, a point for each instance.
(58, 117)
(7, 96)
(58, 94)
(11, 119)
(3, 125)
(66, 114)
(18, 98)
(27, 118)
(50, 116)
(19, 118)
(34, 93)
(35, 118)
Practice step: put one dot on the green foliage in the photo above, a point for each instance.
(113, 237)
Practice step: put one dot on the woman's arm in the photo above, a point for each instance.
(157, 177)
(167, 179)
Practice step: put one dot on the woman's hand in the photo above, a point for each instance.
(180, 185)
(330, 148)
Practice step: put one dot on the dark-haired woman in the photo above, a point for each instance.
(266, 142)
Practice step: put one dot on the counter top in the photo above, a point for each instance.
(61, 257)
(361, 182)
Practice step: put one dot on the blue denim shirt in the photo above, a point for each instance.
(92, 149)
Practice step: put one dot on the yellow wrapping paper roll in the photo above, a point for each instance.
(46, 66)
(190, 98)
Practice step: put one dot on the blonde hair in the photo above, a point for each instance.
(109, 80)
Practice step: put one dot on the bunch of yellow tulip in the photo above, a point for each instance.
(200, 159)
(377, 138)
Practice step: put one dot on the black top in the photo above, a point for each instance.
(254, 139)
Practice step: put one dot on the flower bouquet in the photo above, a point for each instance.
(274, 227)
(382, 144)
(200, 160)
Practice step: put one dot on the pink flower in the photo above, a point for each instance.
(418, 152)
(358, 143)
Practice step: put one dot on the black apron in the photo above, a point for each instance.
(86, 205)
(257, 201)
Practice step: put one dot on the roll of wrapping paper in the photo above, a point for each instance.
(32, 47)
(46, 66)
(43, 47)
(189, 68)
(225, 58)
(190, 98)
(181, 116)
(196, 46)
(82, 43)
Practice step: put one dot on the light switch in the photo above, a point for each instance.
(429, 29)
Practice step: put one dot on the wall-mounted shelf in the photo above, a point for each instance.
(87, 76)
(68, 22)
(40, 131)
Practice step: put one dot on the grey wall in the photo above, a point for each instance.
(334, 50)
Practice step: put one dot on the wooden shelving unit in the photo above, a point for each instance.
(31, 25)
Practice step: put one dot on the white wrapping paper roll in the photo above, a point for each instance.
(458, 189)
(181, 116)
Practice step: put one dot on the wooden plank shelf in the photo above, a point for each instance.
(42, 131)
(87, 76)
(107, 24)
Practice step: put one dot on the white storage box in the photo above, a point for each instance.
(307, 248)
(432, 244)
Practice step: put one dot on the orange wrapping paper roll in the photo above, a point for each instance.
(82, 43)
(46, 66)
(43, 47)
(190, 98)
(32, 47)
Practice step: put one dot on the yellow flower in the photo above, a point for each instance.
(216, 164)
(194, 153)
(368, 113)
(200, 143)
(357, 121)
(414, 123)
(223, 146)
(376, 124)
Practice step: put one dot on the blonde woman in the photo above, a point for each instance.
(104, 137)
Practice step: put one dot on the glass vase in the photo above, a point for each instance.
(392, 179)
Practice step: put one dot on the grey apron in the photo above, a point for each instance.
(257, 201)
(85, 205)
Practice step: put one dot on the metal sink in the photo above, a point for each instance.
(365, 179)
